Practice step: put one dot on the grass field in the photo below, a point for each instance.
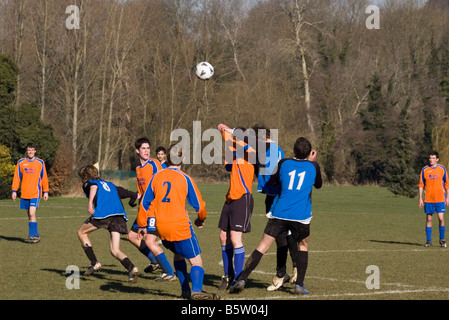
(352, 228)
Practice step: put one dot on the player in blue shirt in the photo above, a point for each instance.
(107, 212)
(291, 210)
(269, 155)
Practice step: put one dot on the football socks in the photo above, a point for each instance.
(165, 265)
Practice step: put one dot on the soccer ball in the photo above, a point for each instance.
(204, 70)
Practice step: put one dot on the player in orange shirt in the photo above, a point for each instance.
(235, 218)
(31, 176)
(434, 181)
(164, 203)
(149, 247)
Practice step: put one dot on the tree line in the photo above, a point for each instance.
(374, 102)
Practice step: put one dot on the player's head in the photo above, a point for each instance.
(302, 148)
(161, 153)
(175, 155)
(434, 156)
(88, 172)
(262, 132)
(143, 148)
(30, 149)
(139, 142)
(434, 153)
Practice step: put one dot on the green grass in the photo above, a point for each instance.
(352, 228)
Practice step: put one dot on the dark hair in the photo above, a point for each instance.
(434, 153)
(258, 128)
(160, 149)
(30, 145)
(174, 155)
(302, 148)
(139, 142)
(88, 172)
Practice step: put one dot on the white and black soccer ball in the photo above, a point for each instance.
(204, 70)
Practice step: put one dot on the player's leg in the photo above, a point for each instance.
(134, 238)
(442, 227)
(83, 236)
(300, 233)
(252, 263)
(240, 222)
(30, 205)
(227, 253)
(429, 210)
(429, 218)
(114, 246)
(302, 263)
(190, 249)
(281, 263)
(161, 258)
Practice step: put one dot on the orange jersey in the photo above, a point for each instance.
(167, 194)
(434, 181)
(242, 171)
(145, 173)
(33, 176)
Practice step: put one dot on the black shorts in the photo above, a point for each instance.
(276, 227)
(236, 216)
(112, 224)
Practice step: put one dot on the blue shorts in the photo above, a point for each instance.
(151, 226)
(188, 249)
(25, 204)
(431, 208)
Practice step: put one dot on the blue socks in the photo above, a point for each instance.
(196, 275)
(165, 265)
(229, 253)
(183, 276)
(429, 233)
(239, 260)
(147, 253)
(442, 231)
(32, 230)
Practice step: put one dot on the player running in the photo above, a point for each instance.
(107, 212)
(164, 209)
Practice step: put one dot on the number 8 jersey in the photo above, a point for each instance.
(166, 195)
(296, 179)
(107, 202)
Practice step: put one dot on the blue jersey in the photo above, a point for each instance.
(273, 155)
(296, 179)
(107, 202)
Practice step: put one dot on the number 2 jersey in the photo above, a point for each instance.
(167, 194)
(296, 179)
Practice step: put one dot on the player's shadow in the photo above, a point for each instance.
(117, 286)
(12, 239)
(398, 242)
